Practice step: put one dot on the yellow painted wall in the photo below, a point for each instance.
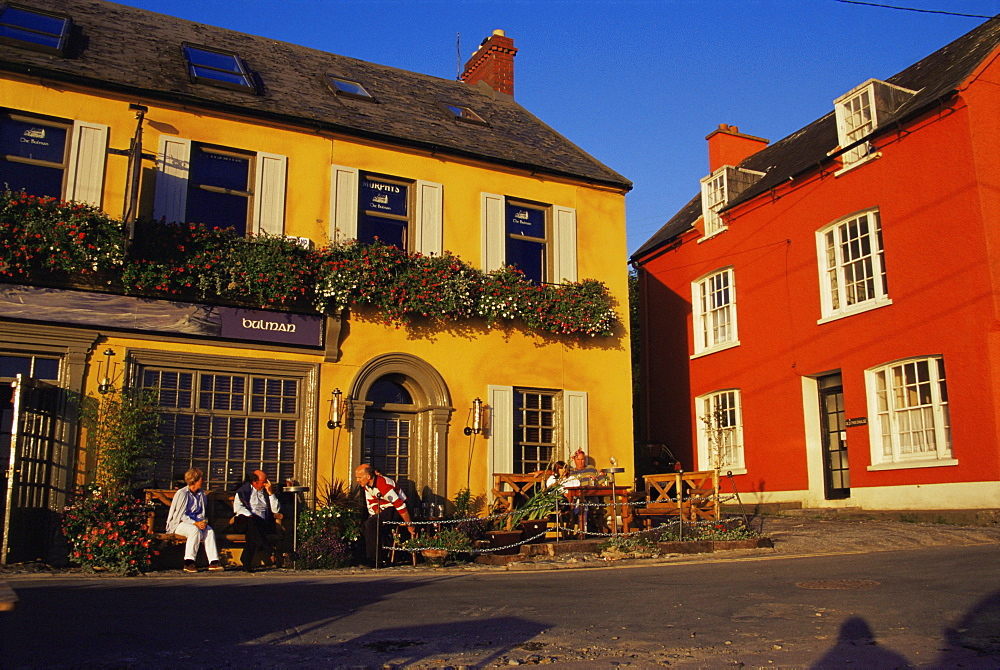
(468, 360)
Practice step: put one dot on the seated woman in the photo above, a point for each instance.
(187, 518)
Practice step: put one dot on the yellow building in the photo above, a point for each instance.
(274, 138)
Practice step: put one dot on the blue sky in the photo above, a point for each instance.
(636, 83)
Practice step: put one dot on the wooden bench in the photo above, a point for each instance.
(220, 517)
(690, 496)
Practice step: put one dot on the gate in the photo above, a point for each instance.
(36, 471)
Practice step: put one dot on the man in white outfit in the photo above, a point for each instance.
(187, 517)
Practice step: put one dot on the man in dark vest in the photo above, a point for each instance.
(255, 505)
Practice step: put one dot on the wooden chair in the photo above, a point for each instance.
(510, 490)
(691, 496)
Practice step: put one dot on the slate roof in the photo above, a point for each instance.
(935, 77)
(139, 53)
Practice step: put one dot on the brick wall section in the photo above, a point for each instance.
(493, 63)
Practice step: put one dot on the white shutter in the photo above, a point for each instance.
(575, 428)
(88, 153)
(501, 432)
(564, 245)
(494, 234)
(429, 233)
(173, 163)
(269, 194)
(343, 203)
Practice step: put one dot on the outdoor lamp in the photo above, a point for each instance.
(105, 385)
(335, 409)
(477, 418)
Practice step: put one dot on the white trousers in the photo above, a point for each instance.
(196, 536)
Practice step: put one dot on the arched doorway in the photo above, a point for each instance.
(401, 409)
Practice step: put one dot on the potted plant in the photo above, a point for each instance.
(534, 514)
(436, 546)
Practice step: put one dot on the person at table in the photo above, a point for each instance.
(560, 475)
(385, 502)
(255, 505)
(587, 475)
(187, 517)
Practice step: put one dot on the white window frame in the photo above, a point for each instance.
(714, 321)
(84, 157)
(859, 112)
(908, 403)
(267, 206)
(856, 118)
(725, 405)
(562, 266)
(713, 198)
(573, 435)
(427, 233)
(838, 278)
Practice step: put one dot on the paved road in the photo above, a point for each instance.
(936, 607)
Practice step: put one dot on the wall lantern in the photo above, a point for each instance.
(477, 418)
(336, 409)
(105, 386)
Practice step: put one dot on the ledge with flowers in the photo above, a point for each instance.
(45, 241)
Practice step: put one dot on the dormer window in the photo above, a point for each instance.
(218, 68)
(863, 109)
(465, 114)
(718, 189)
(32, 29)
(349, 88)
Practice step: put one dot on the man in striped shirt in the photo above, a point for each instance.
(385, 502)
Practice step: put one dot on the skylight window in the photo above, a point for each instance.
(34, 30)
(217, 68)
(349, 88)
(465, 114)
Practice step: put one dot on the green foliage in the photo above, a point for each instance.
(718, 531)
(123, 433)
(107, 530)
(451, 539)
(539, 506)
(326, 534)
(467, 507)
(628, 544)
(42, 236)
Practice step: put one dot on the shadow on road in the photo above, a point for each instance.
(857, 647)
(976, 637)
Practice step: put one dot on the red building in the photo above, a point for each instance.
(822, 319)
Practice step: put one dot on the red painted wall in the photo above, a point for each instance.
(937, 187)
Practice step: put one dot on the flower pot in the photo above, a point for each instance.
(534, 529)
(435, 557)
(504, 538)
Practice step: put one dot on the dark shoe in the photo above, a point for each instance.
(189, 566)
(215, 566)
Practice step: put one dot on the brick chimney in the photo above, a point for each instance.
(728, 146)
(493, 63)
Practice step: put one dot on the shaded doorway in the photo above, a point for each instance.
(836, 473)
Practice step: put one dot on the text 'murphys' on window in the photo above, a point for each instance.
(32, 29)
(218, 68)
(349, 88)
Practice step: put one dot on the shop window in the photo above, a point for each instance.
(384, 211)
(225, 423)
(220, 187)
(52, 157)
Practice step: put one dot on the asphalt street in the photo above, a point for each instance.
(931, 607)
